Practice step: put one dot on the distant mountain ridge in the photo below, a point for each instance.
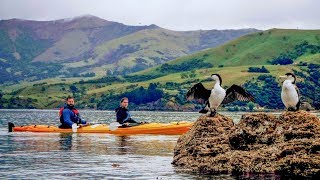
(33, 50)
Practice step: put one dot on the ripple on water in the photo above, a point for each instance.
(95, 156)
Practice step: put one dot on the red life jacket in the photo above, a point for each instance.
(74, 110)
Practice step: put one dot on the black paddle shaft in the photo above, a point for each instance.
(10, 126)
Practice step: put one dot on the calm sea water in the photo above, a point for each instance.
(25, 155)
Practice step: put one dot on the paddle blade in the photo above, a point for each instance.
(74, 127)
(114, 125)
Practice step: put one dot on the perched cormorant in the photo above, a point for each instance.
(220, 96)
(290, 93)
(217, 95)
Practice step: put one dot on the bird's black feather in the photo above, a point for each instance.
(236, 92)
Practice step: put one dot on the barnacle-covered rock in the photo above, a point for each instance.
(259, 143)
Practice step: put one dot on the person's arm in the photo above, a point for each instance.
(67, 117)
(127, 116)
(83, 122)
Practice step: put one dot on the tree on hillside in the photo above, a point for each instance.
(310, 87)
(259, 70)
(266, 91)
(251, 105)
(73, 89)
(142, 95)
(282, 60)
(137, 96)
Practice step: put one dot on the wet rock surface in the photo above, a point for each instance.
(259, 143)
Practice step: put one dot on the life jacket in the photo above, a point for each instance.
(74, 110)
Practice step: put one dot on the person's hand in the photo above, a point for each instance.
(127, 124)
(82, 125)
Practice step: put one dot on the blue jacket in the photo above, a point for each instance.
(69, 117)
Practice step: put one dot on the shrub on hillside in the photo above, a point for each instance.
(137, 96)
(281, 61)
(258, 70)
(185, 66)
(266, 92)
(310, 86)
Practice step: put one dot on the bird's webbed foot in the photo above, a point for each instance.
(203, 111)
(213, 113)
(291, 109)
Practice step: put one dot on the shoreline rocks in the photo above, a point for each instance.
(260, 143)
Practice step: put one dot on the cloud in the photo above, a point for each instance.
(175, 14)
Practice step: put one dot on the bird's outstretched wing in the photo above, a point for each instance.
(198, 91)
(236, 92)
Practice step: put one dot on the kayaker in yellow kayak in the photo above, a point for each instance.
(69, 115)
(123, 114)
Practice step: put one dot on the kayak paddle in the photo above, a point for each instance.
(114, 125)
(75, 127)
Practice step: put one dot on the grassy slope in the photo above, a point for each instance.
(72, 44)
(151, 42)
(310, 58)
(230, 75)
(236, 56)
(250, 50)
(254, 49)
(260, 47)
(149, 39)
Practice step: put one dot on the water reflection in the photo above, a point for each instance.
(100, 144)
(89, 156)
(124, 144)
(65, 141)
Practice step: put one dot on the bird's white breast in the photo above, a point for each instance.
(289, 94)
(217, 96)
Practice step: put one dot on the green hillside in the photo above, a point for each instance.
(253, 49)
(297, 50)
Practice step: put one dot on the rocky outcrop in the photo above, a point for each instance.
(306, 106)
(259, 143)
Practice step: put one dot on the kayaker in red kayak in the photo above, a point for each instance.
(69, 115)
(123, 114)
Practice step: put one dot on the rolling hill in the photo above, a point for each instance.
(254, 49)
(89, 46)
(277, 50)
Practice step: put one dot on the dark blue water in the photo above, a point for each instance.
(25, 155)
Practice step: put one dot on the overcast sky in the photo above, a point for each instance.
(175, 14)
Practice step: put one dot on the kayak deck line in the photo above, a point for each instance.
(173, 128)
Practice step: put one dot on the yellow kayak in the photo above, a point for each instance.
(173, 128)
